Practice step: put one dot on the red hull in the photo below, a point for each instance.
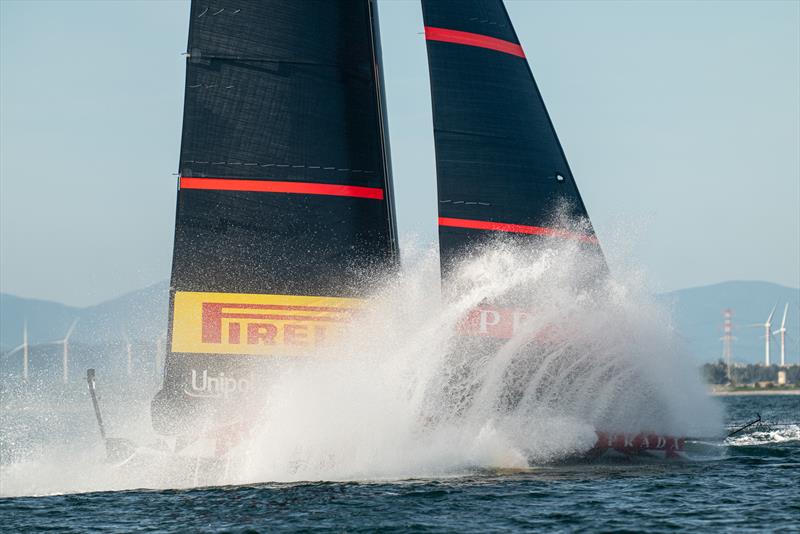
(610, 445)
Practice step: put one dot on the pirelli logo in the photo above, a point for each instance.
(235, 323)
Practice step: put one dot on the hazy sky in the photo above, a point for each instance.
(681, 121)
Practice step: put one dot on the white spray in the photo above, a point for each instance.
(405, 394)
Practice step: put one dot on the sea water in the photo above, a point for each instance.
(403, 424)
(751, 485)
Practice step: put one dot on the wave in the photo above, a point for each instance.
(777, 435)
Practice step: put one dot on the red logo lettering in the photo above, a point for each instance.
(259, 320)
(261, 334)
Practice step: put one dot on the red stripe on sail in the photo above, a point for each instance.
(514, 228)
(473, 39)
(270, 186)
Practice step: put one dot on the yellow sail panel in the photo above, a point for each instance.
(236, 323)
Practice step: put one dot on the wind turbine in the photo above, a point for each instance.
(129, 351)
(65, 343)
(782, 332)
(24, 349)
(767, 334)
(157, 363)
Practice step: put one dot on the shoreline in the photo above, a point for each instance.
(753, 392)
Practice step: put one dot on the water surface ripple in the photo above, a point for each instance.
(751, 486)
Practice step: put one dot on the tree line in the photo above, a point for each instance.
(717, 373)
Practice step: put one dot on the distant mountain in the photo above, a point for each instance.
(142, 317)
(697, 313)
(100, 338)
(46, 320)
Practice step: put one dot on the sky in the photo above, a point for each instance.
(680, 120)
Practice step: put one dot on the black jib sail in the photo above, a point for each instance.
(285, 196)
(500, 167)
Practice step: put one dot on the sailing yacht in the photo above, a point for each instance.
(285, 203)
(284, 197)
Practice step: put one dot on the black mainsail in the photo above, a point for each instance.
(285, 195)
(500, 166)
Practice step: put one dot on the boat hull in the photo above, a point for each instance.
(611, 446)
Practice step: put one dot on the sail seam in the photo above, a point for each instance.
(282, 165)
(473, 39)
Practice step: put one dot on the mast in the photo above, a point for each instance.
(500, 167)
(284, 205)
(377, 56)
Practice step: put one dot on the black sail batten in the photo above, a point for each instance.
(284, 202)
(500, 166)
